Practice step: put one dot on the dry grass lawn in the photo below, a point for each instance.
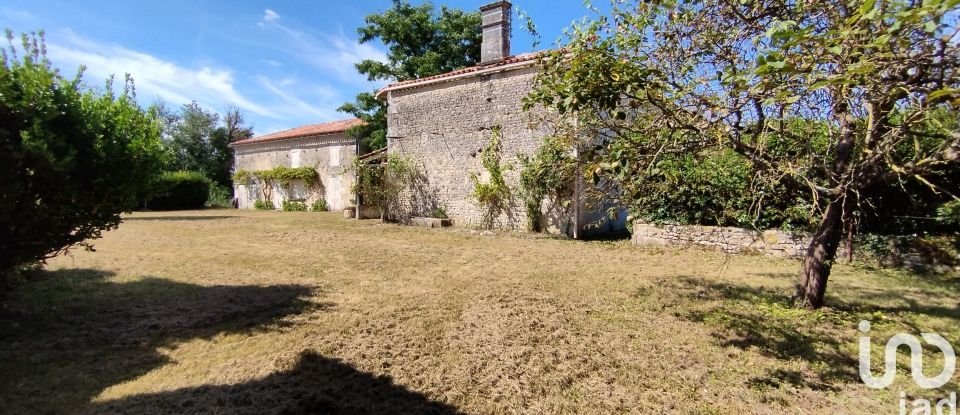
(266, 312)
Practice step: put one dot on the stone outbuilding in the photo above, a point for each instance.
(443, 122)
(325, 147)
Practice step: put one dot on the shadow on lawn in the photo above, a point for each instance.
(67, 335)
(317, 385)
(763, 319)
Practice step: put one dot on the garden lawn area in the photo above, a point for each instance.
(227, 311)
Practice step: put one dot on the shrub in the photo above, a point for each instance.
(919, 253)
(493, 195)
(219, 196)
(71, 159)
(293, 206)
(550, 173)
(714, 188)
(438, 213)
(949, 212)
(263, 205)
(182, 190)
(320, 205)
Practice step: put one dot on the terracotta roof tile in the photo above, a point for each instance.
(508, 61)
(333, 127)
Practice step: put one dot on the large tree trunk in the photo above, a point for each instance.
(812, 284)
(815, 271)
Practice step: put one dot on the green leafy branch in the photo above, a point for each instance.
(549, 174)
(281, 175)
(494, 195)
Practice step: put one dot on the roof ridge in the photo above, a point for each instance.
(306, 130)
(524, 57)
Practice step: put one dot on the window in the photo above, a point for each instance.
(295, 158)
(334, 156)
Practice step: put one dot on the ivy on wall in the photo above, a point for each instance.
(277, 176)
(493, 195)
(382, 184)
(548, 175)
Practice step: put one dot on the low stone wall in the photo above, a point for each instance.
(728, 239)
(369, 212)
(430, 222)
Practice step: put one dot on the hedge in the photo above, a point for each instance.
(182, 190)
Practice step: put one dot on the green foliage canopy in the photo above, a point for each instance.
(198, 140)
(674, 77)
(71, 158)
(421, 42)
(277, 176)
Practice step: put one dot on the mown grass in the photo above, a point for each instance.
(285, 312)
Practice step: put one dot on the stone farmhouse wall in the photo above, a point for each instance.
(331, 155)
(443, 127)
(728, 239)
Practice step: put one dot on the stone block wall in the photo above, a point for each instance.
(330, 155)
(729, 239)
(443, 127)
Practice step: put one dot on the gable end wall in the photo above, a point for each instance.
(329, 154)
(442, 127)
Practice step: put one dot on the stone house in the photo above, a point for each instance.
(443, 122)
(325, 147)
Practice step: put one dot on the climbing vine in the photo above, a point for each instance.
(547, 175)
(382, 184)
(494, 194)
(281, 176)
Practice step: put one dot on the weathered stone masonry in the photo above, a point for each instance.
(443, 127)
(329, 154)
(728, 239)
(444, 122)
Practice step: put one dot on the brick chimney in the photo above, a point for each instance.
(496, 32)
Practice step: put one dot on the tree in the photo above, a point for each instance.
(232, 129)
(71, 159)
(421, 43)
(198, 140)
(167, 117)
(871, 78)
(190, 139)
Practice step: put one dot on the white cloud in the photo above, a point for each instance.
(333, 54)
(270, 15)
(271, 62)
(327, 99)
(20, 16)
(154, 77)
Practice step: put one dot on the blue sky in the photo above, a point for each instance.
(283, 64)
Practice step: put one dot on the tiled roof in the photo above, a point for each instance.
(333, 127)
(374, 155)
(517, 59)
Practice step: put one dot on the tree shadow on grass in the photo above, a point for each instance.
(896, 303)
(316, 385)
(860, 300)
(69, 334)
(760, 319)
(763, 319)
